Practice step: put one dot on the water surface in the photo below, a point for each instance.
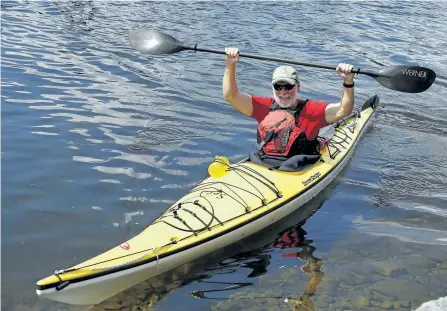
(98, 140)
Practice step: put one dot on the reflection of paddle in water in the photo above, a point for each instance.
(201, 293)
(291, 238)
(255, 260)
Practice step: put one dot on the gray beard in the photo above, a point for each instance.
(286, 102)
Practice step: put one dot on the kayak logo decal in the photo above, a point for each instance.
(312, 178)
(415, 73)
(125, 246)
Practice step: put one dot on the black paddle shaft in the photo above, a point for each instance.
(276, 59)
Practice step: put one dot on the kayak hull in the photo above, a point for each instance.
(93, 290)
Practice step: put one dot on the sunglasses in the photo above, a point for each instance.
(287, 87)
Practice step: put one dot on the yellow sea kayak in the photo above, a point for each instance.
(219, 211)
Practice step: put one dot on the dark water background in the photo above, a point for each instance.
(98, 140)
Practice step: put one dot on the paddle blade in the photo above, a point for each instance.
(154, 42)
(409, 79)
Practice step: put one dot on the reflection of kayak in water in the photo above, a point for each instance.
(217, 212)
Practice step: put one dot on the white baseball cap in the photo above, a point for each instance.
(286, 74)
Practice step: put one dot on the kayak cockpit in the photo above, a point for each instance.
(296, 163)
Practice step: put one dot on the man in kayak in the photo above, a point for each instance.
(287, 125)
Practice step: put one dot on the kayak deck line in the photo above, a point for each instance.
(216, 188)
(126, 262)
(206, 218)
(337, 144)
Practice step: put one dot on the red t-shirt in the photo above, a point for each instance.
(310, 119)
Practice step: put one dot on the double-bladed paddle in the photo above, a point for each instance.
(403, 78)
